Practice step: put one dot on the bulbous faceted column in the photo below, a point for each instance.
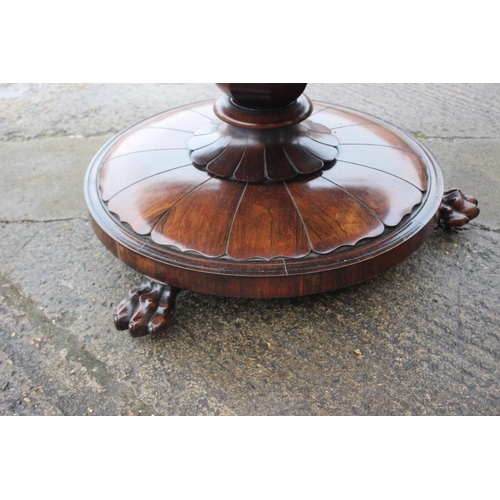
(263, 96)
(263, 106)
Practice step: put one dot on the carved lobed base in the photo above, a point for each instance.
(266, 203)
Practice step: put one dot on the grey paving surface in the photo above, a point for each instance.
(428, 330)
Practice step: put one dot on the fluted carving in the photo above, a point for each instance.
(263, 155)
(149, 181)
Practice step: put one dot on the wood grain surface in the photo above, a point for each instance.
(184, 199)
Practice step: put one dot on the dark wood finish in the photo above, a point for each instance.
(144, 203)
(260, 155)
(266, 213)
(457, 209)
(350, 201)
(332, 217)
(261, 194)
(262, 106)
(275, 279)
(263, 96)
(201, 220)
(209, 229)
(148, 309)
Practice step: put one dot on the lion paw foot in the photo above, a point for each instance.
(457, 209)
(148, 309)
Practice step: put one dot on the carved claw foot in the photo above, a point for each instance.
(148, 309)
(457, 209)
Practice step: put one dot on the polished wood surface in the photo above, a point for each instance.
(148, 309)
(263, 155)
(262, 194)
(263, 96)
(271, 119)
(180, 208)
(378, 178)
(457, 209)
(262, 106)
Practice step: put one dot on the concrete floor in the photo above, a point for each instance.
(428, 330)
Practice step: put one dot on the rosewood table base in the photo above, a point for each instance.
(225, 200)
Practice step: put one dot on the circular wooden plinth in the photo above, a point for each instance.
(349, 220)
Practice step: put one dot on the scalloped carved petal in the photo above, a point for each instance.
(246, 170)
(370, 134)
(403, 164)
(118, 173)
(178, 120)
(278, 166)
(267, 225)
(332, 217)
(303, 161)
(328, 139)
(149, 139)
(189, 225)
(387, 196)
(211, 128)
(322, 151)
(207, 153)
(274, 155)
(225, 164)
(317, 127)
(142, 204)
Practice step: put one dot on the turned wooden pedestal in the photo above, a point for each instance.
(261, 194)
